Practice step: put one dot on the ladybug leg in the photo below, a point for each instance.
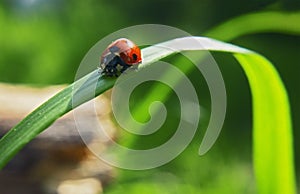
(134, 67)
(124, 67)
(121, 66)
(110, 71)
(111, 68)
(115, 67)
(107, 71)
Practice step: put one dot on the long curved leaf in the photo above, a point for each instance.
(272, 125)
(280, 22)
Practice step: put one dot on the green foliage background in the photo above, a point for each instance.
(42, 42)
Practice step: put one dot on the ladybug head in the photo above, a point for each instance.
(132, 56)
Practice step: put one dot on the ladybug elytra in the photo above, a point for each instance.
(118, 56)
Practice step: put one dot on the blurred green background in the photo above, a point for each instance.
(42, 42)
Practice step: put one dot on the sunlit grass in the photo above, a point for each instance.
(269, 175)
(271, 112)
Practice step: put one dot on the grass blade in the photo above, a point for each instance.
(47, 113)
(272, 125)
(272, 135)
(280, 22)
(273, 150)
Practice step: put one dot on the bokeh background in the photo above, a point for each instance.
(42, 42)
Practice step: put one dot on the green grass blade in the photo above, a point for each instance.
(273, 155)
(280, 22)
(272, 135)
(273, 150)
(47, 113)
(33, 124)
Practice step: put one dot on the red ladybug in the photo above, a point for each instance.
(118, 56)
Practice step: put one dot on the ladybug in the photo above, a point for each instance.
(119, 56)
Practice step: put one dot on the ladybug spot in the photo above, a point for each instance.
(134, 56)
